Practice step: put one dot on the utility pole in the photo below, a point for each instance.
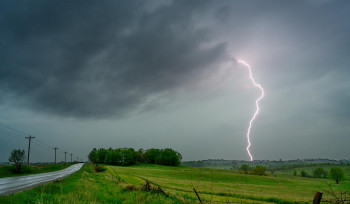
(29, 138)
(77, 159)
(71, 160)
(55, 148)
(65, 155)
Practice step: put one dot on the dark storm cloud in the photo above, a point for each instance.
(99, 58)
(108, 58)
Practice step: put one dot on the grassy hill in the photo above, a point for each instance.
(124, 185)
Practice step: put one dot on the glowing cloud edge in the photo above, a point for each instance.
(256, 103)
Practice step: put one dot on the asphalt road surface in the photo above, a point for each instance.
(19, 183)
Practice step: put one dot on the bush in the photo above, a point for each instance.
(303, 174)
(100, 169)
(244, 168)
(260, 170)
(319, 173)
(131, 188)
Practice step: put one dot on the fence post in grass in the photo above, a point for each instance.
(317, 198)
(161, 190)
(197, 195)
(148, 187)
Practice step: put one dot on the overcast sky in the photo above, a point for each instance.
(143, 74)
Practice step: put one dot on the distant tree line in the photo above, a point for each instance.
(301, 165)
(336, 174)
(272, 166)
(128, 156)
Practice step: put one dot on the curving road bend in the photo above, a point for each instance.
(11, 185)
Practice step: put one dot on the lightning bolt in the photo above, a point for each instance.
(256, 104)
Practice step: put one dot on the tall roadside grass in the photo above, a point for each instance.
(88, 186)
(9, 170)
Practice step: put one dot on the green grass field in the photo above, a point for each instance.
(8, 170)
(123, 185)
(86, 186)
(226, 185)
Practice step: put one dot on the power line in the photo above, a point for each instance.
(12, 136)
(40, 145)
(19, 135)
(13, 129)
(43, 143)
(12, 132)
(37, 142)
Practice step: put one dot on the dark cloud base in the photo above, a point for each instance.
(99, 59)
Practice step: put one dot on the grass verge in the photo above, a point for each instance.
(87, 186)
(8, 170)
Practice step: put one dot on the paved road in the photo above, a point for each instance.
(19, 183)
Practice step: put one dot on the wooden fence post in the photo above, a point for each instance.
(147, 187)
(161, 190)
(317, 198)
(197, 195)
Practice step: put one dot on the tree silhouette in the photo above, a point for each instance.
(17, 157)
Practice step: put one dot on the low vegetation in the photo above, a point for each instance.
(10, 170)
(18, 167)
(148, 183)
(87, 186)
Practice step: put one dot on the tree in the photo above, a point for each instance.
(93, 156)
(140, 156)
(151, 156)
(101, 154)
(129, 156)
(244, 168)
(17, 157)
(337, 174)
(295, 173)
(325, 173)
(170, 157)
(260, 170)
(303, 173)
(319, 172)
